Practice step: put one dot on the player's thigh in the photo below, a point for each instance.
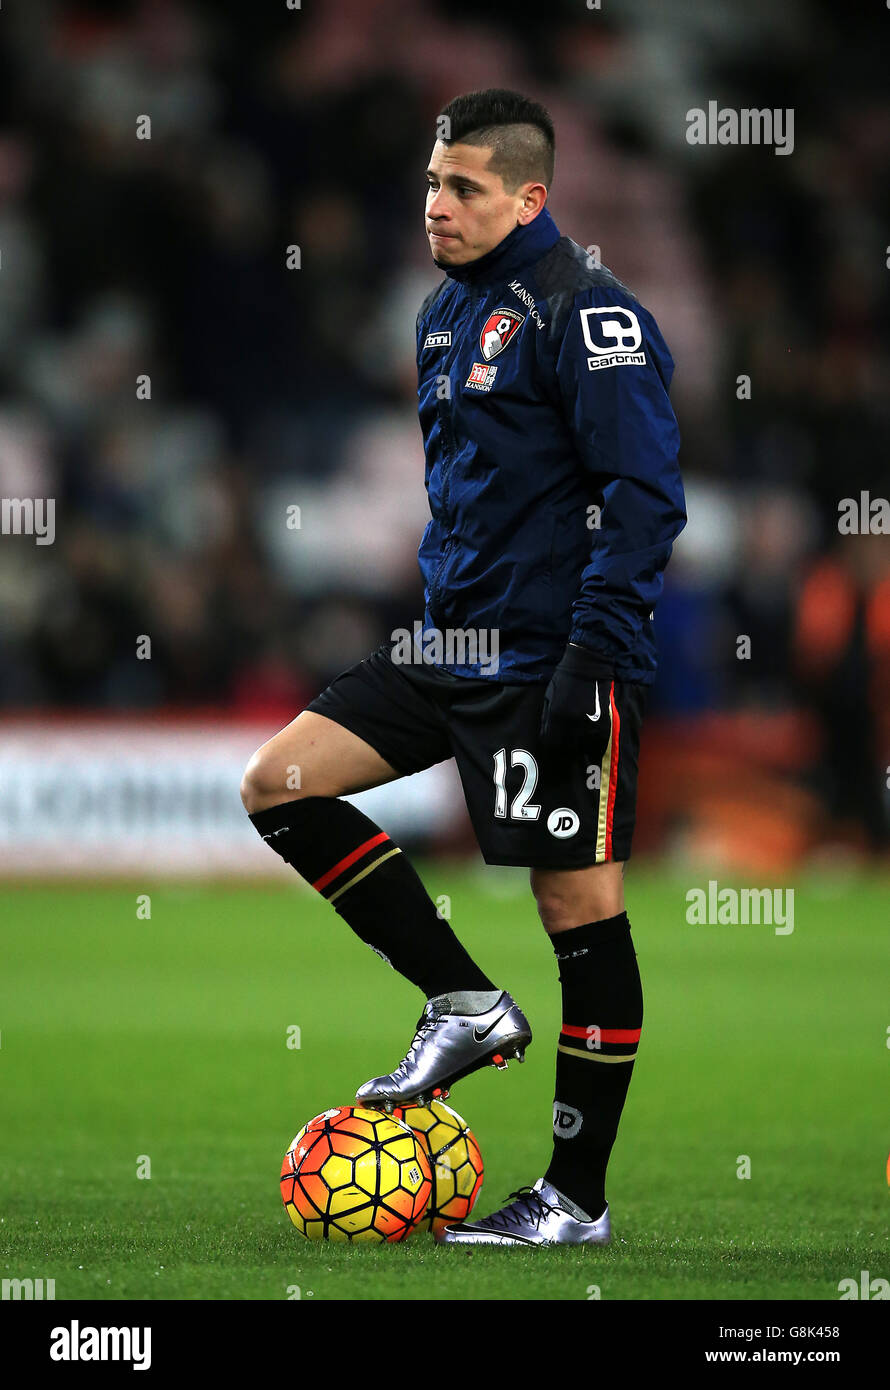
(312, 756)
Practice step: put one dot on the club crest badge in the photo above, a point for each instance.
(499, 329)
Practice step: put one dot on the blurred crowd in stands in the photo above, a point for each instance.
(125, 260)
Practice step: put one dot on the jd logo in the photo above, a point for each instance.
(563, 823)
(566, 1120)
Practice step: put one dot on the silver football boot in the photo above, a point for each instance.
(540, 1215)
(446, 1047)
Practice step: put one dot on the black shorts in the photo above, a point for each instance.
(528, 804)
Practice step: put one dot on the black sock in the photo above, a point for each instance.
(602, 1002)
(373, 886)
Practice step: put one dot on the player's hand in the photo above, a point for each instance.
(577, 711)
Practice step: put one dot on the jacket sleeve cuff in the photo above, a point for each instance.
(582, 661)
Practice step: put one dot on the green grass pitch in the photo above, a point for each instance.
(122, 1037)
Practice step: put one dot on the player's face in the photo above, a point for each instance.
(468, 210)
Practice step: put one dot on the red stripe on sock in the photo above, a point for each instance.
(613, 770)
(612, 1035)
(338, 868)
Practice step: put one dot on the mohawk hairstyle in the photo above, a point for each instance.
(518, 131)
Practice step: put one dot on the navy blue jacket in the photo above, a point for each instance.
(551, 457)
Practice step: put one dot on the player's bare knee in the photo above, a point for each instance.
(253, 785)
(268, 781)
(556, 913)
(553, 902)
(572, 899)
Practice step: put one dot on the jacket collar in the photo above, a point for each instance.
(520, 247)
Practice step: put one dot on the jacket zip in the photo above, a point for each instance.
(445, 422)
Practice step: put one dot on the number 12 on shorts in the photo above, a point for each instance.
(520, 807)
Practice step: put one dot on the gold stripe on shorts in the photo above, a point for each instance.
(603, 816)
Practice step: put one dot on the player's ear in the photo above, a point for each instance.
(533, 199)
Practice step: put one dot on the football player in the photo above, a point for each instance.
(555, 497)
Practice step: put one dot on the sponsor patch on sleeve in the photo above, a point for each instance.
(613, 335)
